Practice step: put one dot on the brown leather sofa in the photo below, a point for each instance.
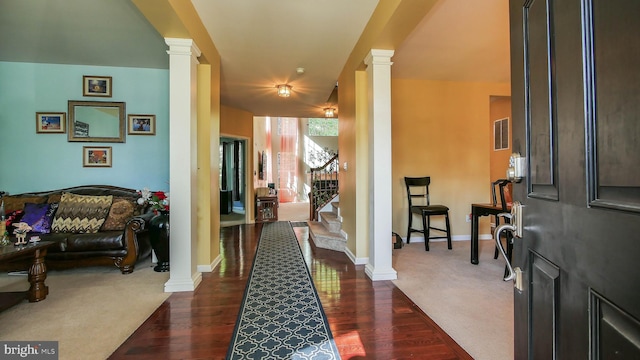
(121, 248)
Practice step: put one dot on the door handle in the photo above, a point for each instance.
(496, 236)
(515, 226)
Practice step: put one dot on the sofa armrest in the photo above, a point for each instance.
(136, 242)
(143, 221)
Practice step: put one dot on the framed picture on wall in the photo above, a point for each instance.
(96, 156)
(142, 124)
(96, 86)
(50, 122)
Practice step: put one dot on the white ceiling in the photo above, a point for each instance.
(261, 43)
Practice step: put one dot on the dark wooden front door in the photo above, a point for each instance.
(576, 119)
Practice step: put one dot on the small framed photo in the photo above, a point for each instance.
(50, 122)
(96, 156)
(142, 124)
(96, 86)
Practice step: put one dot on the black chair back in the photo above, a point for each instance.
(416, 183)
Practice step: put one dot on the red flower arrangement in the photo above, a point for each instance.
(159, 200)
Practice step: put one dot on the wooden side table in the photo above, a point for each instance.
(267, 208)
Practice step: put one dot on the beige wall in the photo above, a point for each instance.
(178, 18)
(208, 222)
(439, 129)
(389, 25)
(500, 109)
(349, 192)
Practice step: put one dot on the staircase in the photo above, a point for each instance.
(326, 233)
(323, 181)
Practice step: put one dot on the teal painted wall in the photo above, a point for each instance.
(40, 162)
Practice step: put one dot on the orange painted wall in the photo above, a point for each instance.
(236, 122)
(239, 123)
(439, 129)
(500, 109)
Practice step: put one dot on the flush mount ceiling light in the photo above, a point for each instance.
(329, 112)
(284, 90)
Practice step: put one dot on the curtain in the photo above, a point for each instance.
(268, 159)
(288, 159)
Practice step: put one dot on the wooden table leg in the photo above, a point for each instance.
(37, 274)
(474, 235)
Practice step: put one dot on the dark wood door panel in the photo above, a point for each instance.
(540, 80)
(576, 116)
(544, 299)
(613, 120)
(614, 333)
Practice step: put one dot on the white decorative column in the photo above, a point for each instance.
(183, 61)
(379, 105)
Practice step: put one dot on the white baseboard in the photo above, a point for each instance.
(174, 285)
(354, 259)
(210, 267)
(377, 275)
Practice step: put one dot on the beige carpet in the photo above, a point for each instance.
(470, 302)
(89, 311)
(293, 211)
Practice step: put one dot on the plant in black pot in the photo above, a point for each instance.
(159, 225)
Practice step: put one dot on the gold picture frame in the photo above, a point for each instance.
(96, 156)
(96, 86)
(51, 122)
(141, 124)
(96, 121)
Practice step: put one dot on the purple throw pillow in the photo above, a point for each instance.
(39, 216)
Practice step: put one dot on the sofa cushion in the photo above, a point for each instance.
(81, 213)
(16, 202)
(39, 216)
(121, 211)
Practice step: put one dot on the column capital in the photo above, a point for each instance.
(379, 57)
(179, 46)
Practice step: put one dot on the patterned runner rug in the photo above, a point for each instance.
(281, 316)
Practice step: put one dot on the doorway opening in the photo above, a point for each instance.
(287, 149)
(233, 171)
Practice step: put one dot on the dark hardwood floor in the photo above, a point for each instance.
(369, 320)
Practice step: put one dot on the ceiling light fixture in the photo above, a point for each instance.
(284, 90)
(329, 112)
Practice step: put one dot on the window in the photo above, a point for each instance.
(501, 134)
(323, 127)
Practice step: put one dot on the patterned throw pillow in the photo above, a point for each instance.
(39, 216)
(81, 213)
(121, 211)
